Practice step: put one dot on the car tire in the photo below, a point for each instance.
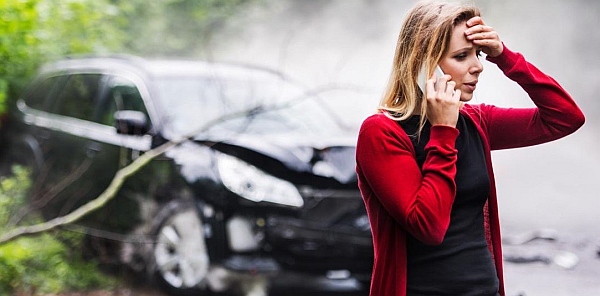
(179, 255)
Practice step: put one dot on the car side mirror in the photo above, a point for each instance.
(130, 122)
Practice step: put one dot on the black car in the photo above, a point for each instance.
(262, 181)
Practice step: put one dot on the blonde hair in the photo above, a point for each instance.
(423, 41)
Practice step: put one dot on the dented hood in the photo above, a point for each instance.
(332, 157)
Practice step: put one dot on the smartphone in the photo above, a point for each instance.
(422, 79)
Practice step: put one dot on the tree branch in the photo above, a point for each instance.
(92, 205)
(125, 172)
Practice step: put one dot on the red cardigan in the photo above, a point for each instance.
(400, 198)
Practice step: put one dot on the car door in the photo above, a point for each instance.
(123, 93)
(28, 127)
(68, 137)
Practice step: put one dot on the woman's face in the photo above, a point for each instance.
(462, 62)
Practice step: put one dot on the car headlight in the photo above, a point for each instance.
(253, 184)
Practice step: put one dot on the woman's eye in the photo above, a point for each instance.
(461, 56)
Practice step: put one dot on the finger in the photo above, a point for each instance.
(476, 20)
(441, 84)
(478, 29)
(450, 86)
(488, 44)
(492, 35)
(456, 95)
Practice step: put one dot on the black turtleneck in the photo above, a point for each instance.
(462, 264)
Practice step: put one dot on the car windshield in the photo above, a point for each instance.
(261, 104)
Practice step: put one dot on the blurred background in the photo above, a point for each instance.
(345, 48)
(350, 45)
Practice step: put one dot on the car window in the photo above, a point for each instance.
(255, 104)
(122, 94)
(301, 118)
(190, 102)
(40, 93)
(78, 96)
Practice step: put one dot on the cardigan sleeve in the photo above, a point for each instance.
(420, 202)
(556, 114)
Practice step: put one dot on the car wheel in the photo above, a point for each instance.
(180, 257)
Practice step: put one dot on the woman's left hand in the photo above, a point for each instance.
(484, 36)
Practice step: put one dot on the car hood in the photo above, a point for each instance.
(330, 157)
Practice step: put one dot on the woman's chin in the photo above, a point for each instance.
(466, 97)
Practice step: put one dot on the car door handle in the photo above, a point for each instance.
(44, 135)
(93, 148)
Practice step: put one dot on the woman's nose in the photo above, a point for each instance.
(477, 67)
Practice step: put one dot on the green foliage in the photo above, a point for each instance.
(71, 27)
(173, 27)
(18, 43)
(43, 264)
(36, 31)
(12, 194)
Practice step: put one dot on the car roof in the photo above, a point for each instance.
(158, 66)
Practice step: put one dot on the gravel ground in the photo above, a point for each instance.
(540, 273)
(550, 275)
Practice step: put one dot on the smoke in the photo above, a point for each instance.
(351, 43)
(344, 43)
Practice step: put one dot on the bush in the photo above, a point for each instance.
(37, 31)
(42, 264)
(18, 46)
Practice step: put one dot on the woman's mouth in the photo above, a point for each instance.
(470, 86)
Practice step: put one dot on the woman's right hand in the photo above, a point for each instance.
(443, 101)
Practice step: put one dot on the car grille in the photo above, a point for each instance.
(340, 209)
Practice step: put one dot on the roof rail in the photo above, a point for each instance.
(117, 56)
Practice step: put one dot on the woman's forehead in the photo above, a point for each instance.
(458, 39)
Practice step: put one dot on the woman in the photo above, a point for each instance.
(424, 163)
